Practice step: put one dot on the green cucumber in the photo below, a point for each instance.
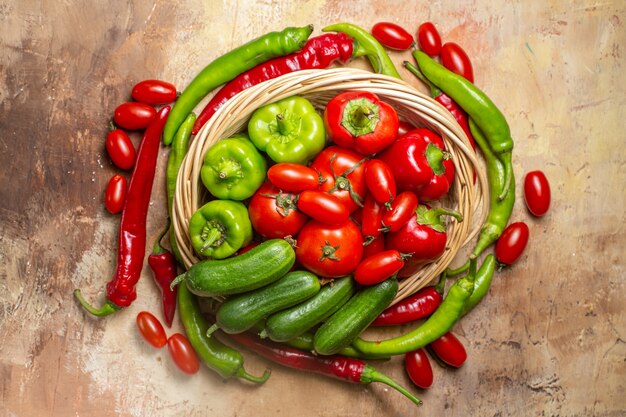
(260, 266)
(354, 317)
(290, 323)
(243, 311)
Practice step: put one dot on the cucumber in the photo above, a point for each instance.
(254, 269)
(287, 324)
(354, 317)
(243, 311)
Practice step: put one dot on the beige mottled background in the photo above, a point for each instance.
(548, 340)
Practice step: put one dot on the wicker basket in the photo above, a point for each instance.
(319, 86)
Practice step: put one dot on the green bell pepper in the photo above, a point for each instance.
(289, 130)
(233, 168)
(220, 228)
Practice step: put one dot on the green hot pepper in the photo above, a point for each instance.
(233, 168)
(231, 64)
(289, 130)
(220, 228)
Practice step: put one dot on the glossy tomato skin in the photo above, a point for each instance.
(374, 246)
(183, 354)
(417, 366)
(154, 92)
(371, 218)
(151, 329)
(134, 115)
(329, 251)
(378, 267)
(454, 58)
(379, 181)
(392, 36)
(120, 149)
(429, 39)
(273, 213)
(115, 194)
(293, 177)
(450, 350)
(402, 209)
(511, 243)
(323, 207)
(537, 193)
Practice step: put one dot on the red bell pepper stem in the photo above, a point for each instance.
(132, 235)
(348, 369)
(164, 270)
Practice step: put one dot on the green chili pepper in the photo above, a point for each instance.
(289, 130)
(224, 360)
(220, 228)
(479, 107)
(305, 342)
(233, 168)
(484, 276)
(231, 64)
(366, 44)
(432, 329)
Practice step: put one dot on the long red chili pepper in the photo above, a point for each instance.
(163, 265)
(418, 306)
(132, 235)
(319, 52)
(348, 369)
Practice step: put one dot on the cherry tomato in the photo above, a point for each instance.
(151, 329)
(512, 243)
(323, 207)
(378, 267)
(379, 181)
(374, 246)
(454, 58)
(371, 218)
(120, 149)
(183, 354)
(428, 39)
(134, 115)
(450, 350)
(274, 214)
(392, 36)
(293, 177)
(418, 368)
(329, 251)
(115, 195)
(537, 193)
(154, 92)
(247, 248)
(402, 209)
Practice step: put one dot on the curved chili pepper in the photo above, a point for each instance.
(416, 307)
(348, 369)
(132, 235)
(484, 276)
(319, 52)
(163, 265)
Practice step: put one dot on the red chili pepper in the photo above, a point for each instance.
(319, 52)
(163, 265)
(416, 307)
(132, 235)
(348, 369)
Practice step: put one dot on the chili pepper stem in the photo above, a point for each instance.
(107, 309)
(434, 90)
(178, 280)
(157, 249)
(459, 270)
(258, 379)
(212, 330)
(505, 158)
(372, 375)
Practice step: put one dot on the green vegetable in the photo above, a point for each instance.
(289, 130)
(233, 168)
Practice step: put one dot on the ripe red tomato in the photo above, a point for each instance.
(418, 368)
(134, 115)
(454, 58)
(402, 209)
(392, 36)
(151, 329)
(371, 218)
(379, 181)
(329, 251)
(428, 39)
(537, 193)
(378, 267)
(274, 214)
(115, 195)
(374, 246)
(293, 177)
(512, 243)
(183, 354)
(450, 350)
(154, 92)
(323, 207)
(120, 149)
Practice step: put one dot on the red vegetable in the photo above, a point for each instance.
(151, 329)
(380, 182)
(401, 210)
(323, 207)
(115, 195)
(450, 350)
(392, 36)
(428, 39)
(293, 177)
(164, 270)
(418, 368)
(183, 354)
(120, 149)
(537, 193)
(134, 115)
(404, 127)
(154, 92)
(371, 219)
(374, 246)
(274, 214)
(454, 58)
(379, 267)
(415, 307)
(511, 243)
